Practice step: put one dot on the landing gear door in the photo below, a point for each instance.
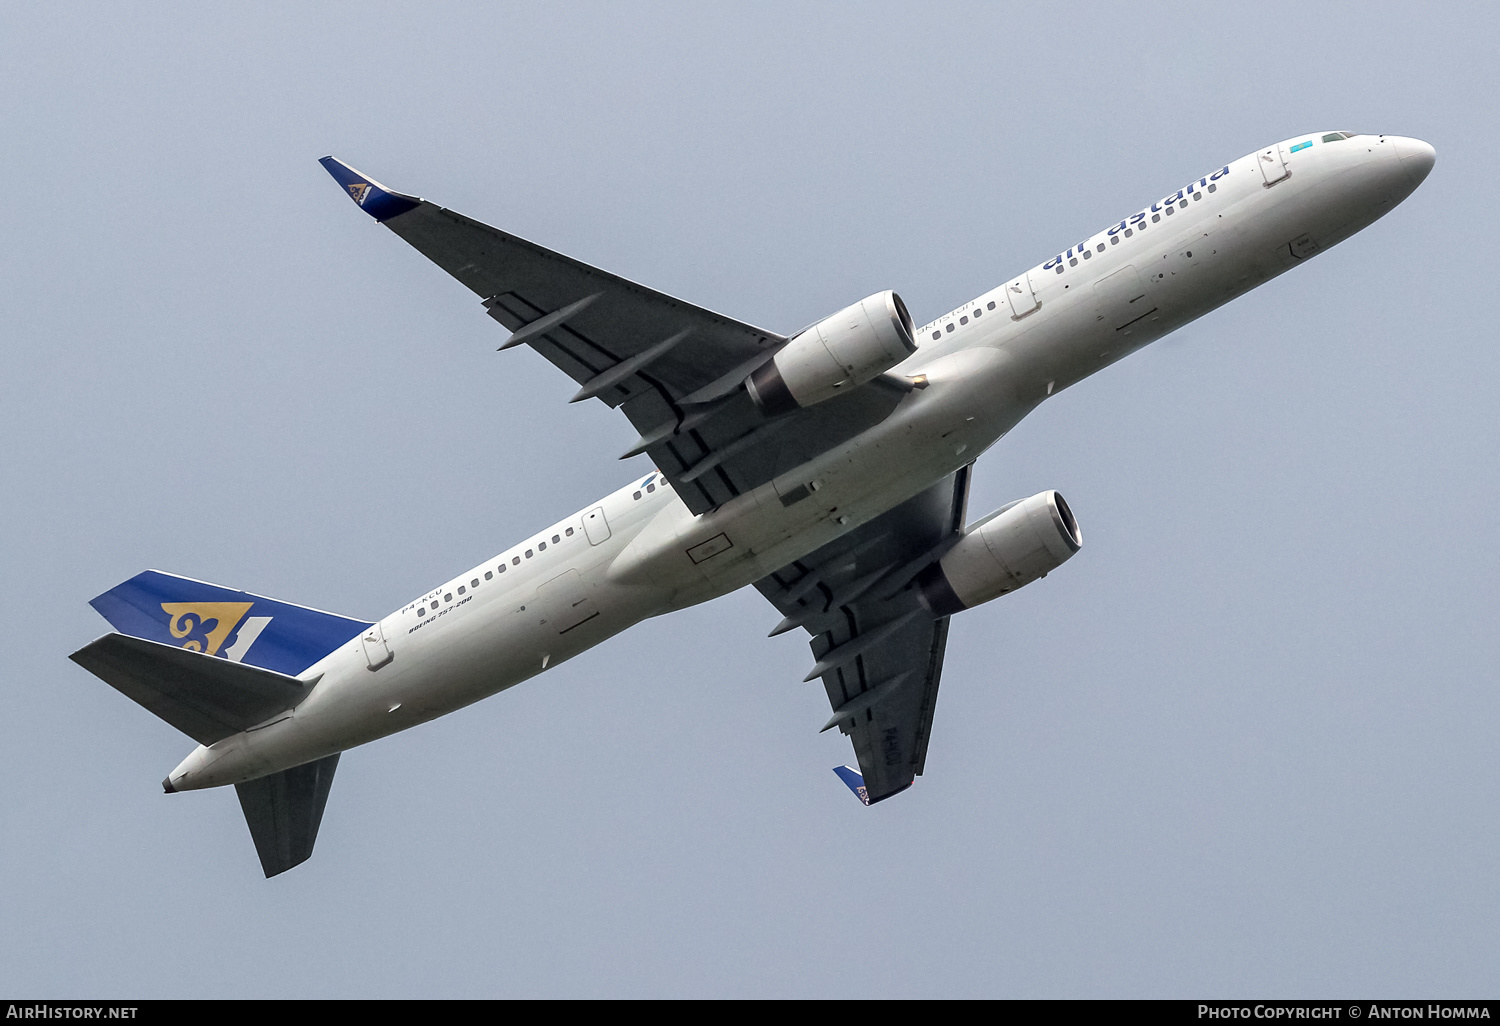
(595, 526)
(377, 652)
(565, 602)
(1022, 297)
(1272, 163)
(1123, 301)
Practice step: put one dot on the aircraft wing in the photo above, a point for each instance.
(674, 369)
(879, 652)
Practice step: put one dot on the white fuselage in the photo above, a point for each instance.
(639, 553)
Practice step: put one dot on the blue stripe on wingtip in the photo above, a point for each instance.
(373, 198)
(854, 781)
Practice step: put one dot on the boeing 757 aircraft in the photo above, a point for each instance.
(830, 469)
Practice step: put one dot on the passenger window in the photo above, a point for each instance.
(637, 494)
(1213, 187)
(936, 335)
(1101, 247)
(556, 539)
(1088, 254)
(1059, 268)
(422, 611)
(517, 560)
(1182, 205)
(989, 306)
(528, 553)
(649, 489)
(1156, 217)
(1169, 212)
(1129, 232)
(489, 575)
(474, 583)
(569, 532)
(963, 320)
(461, 589)
(500, 569)
(541, 546)
(1073, 262)
(950, 325)
(977, 312)
(448, 597)
(1114, 240)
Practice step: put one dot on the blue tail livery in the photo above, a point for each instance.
(216, 621)
(851, 776)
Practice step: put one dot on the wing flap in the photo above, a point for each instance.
(889, 731)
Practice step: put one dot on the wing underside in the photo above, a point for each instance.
(878, 651)
(674, 369)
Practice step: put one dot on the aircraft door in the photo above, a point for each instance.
(595, 526)
(1272, 163)
(1022, 297)
(377, 652)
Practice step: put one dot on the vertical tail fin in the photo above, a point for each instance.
(217, 621)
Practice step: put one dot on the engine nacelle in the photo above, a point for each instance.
(1006, 550)
(835, 355)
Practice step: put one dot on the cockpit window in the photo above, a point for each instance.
(1338, 136)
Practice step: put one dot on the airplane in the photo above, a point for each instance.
(829, 469)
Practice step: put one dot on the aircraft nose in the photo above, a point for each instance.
(1417, 158)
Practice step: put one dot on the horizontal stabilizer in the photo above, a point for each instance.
(284, 811)
(204, 697)
(373, 198)
(856, 782)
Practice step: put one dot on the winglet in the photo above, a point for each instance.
(850, 776)
(373, 198)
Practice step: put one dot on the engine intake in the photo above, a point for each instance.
(835, 355)
(1006, 550)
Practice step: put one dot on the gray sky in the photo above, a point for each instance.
(1243, 744)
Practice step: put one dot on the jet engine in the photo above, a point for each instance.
(1006, 550)
(835, 355)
